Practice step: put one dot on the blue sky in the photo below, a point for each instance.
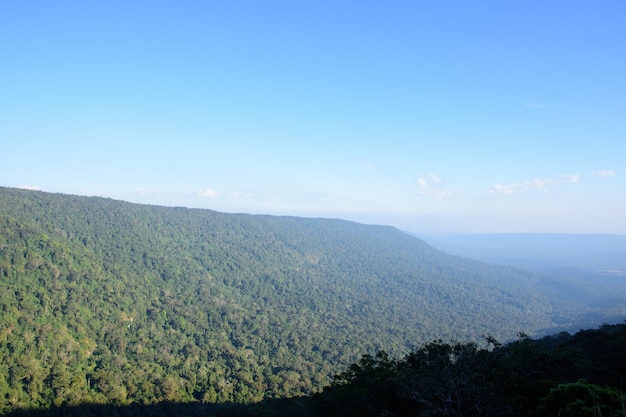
(446, 116)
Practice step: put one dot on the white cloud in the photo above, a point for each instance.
(568, 179)
(434, 177)
(30, 187)
(243, 195)
(606, 173)
(430, 185)
(534, 184)
(208, 193)
(500, 189)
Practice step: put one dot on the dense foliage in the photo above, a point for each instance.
(559, 375)
(562, 375)
(106, 302)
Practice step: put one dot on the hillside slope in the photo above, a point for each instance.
(107, 301)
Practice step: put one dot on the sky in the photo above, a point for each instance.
(434, 117)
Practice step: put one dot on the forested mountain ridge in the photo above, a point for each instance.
(105, 301)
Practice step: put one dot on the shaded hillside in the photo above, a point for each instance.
(579, 375)
(110, 302)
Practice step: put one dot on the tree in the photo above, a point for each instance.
(581, 399)
(449, 379)
(367, 388)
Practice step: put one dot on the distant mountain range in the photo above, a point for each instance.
(107, 301)
(590, 252)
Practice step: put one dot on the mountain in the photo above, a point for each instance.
(105, 301)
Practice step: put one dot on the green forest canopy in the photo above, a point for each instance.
(110, 302)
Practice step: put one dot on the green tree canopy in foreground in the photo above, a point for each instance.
(580, 375)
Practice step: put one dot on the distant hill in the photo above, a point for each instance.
(592, 252)
(105, 301)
